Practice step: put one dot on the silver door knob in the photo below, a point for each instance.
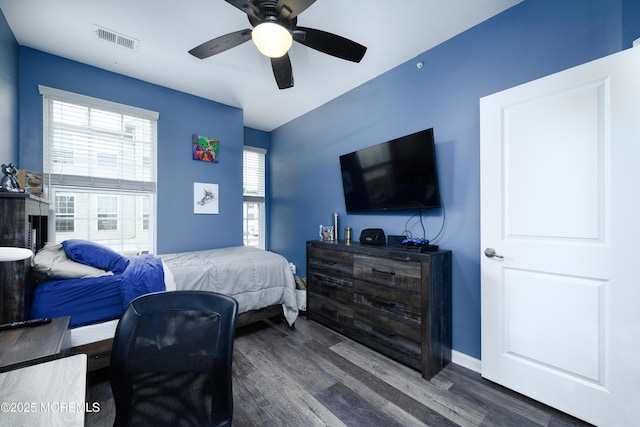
(491, 253)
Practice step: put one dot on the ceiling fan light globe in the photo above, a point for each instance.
(271, 39)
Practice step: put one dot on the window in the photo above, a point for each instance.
(99, 161)
(65, 213)
(107, 213)
(145, 213)
(253, 218)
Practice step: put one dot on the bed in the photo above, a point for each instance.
(93, 284)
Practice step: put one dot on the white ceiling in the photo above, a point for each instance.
(393, 31)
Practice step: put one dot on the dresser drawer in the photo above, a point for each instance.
(390, 317)
(336, 288)
(395, 305)
(386, 338)
(330, 263)
(330, 301)
(98, 354)
(394, 274)
(388, 321)
(334, 315)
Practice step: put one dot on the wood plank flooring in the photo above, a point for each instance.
(312, 376)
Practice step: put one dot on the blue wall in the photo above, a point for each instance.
(528, 41)
(630, 18)
(8, 94)
(181, 115)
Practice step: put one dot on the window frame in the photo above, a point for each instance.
(107, 217)
(126, 131)
(257, 199)
(66, 217)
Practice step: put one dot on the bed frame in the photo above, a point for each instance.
(99, 353)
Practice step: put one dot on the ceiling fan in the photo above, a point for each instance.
(275, 27)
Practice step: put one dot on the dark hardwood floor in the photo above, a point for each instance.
(312, 376)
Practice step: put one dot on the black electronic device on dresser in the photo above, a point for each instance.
(394, 301)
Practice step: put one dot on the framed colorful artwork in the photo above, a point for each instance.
(205, 198)
(204, 148)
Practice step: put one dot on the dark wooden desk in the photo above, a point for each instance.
(28, 346)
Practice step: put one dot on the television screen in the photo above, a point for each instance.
(397, 174)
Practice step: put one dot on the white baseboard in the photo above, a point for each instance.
(466, 361)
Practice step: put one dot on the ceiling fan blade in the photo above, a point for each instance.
(328, 43)
(282, 71)
(289, 9)
(246, 6)
(220, 44)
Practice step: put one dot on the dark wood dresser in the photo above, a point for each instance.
(393, 300)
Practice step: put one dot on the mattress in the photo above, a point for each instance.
(93, 333)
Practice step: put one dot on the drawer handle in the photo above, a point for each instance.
(383, 303)
(390, 273)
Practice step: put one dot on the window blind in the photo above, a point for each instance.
(95, 143)
(100, 168)
(253, 216)
(253, 173)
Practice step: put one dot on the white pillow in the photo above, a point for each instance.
(52, 261)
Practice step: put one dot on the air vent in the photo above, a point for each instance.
(116, 38)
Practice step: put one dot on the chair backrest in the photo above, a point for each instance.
(171, 360)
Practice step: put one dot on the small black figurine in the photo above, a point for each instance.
(9, 181)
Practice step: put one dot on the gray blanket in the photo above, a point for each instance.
(254, 277)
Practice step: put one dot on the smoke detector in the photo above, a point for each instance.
(115, 38)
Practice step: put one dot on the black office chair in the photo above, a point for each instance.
(171, 360)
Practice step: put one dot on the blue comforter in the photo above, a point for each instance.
(98, 299)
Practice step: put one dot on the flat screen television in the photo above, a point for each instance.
(400, 174)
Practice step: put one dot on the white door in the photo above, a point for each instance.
(560, 197)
